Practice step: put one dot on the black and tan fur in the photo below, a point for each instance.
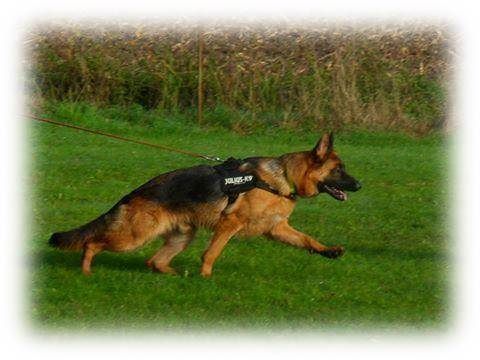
(174, 205)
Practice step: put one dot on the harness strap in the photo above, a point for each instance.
(265, 186)
(235, 182)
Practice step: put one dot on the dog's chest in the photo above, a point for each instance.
(259, 216)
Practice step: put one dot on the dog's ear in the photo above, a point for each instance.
(324, 147)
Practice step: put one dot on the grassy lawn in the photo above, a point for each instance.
(393, 275)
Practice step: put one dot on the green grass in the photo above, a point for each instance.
(393, 275)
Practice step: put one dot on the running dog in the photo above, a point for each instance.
(175, 204)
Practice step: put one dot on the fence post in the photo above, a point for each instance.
(200, 75)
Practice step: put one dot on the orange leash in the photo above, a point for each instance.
(113, 136)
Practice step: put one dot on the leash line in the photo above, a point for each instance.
(117, 137)
(259, 183)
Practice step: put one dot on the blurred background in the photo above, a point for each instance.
(248, 76)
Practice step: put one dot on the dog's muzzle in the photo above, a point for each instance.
(338, 190)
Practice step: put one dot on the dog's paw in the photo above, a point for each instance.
(86, 272)
(167, 270)
(206, 273)
(333, 252)
(164, 269)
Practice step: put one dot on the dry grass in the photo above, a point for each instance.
(284, 74)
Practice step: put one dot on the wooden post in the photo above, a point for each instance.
(200, 76)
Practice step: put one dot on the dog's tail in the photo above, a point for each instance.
(76, 239)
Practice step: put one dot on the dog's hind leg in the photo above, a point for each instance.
(285, 233)
(90, 250)
(175, 242)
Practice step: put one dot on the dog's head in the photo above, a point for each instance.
(326, 173)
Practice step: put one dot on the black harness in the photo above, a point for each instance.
(234, 182)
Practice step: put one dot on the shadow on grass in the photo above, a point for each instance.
(114, 261)
(401, 254)
(136, 261)
(72, 260)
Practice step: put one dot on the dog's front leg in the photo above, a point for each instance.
(225, 229)
(285, 233)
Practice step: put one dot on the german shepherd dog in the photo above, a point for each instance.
(175, 204)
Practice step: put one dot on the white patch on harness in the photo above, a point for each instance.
(238, 180)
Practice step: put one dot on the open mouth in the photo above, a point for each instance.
(335, 192)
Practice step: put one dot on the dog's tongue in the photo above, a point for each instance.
(336, 193)
(339, 194)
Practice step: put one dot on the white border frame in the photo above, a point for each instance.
(461, 341)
